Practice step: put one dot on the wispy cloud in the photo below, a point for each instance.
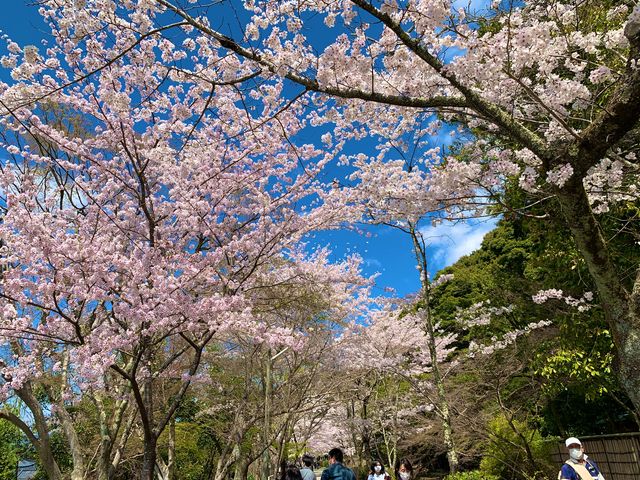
(448, 241)
(373, 263)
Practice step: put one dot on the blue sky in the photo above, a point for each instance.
(384, 250)
(388, 251)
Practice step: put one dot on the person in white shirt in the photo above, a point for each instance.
(307, 471)
(377, 472)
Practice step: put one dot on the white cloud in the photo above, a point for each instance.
(448, 241)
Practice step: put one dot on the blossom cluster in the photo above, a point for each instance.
(506, 340)
(582, 304)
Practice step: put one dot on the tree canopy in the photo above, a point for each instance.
(166, 163)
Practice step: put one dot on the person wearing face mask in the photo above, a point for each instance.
(579, 466)
(404, 470)
(377, 472)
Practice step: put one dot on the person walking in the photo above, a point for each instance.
(290, 472)
(578, 466)
(404, 470)
(336, 469)
(307, 470)
(377, 471)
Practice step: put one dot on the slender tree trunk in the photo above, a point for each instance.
(282, 445)
(266, 459)
(171, 455)
(366, 433)
(626, 407)
(242, 470)
(162, 469)
(150, 435)
(78, 471)
(525, 443)
(124, 438)
(443, 403)
(425, 312)
(104, 455)
(224, 463)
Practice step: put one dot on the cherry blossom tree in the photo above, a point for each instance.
(390, 363)
(548, 89)
(195, 183)
(129, 249)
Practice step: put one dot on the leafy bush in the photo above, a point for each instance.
(471, 475)
(520, 454)
(10, 446)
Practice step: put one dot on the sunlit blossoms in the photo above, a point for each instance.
(161, 179)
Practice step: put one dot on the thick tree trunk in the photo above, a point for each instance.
(627, 331)
(43, 446)
(149, 458)
(621, 309)
(48, 463)
(629, 349)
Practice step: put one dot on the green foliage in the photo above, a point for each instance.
(191, 456)
(598, 416)
(496, 272)
(516, 451)
(11, 447)
(471, 475)
(519, 258)
(591, 372)
(61, 453)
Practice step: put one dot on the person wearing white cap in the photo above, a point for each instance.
(579, 466)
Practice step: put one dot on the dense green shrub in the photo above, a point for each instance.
(516, 451)
(10, 446)
(471, 475)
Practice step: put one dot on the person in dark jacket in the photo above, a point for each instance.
(290, 472)
(337, 470)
